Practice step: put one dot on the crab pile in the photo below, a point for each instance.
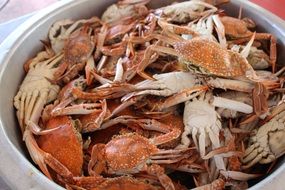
(179, 97)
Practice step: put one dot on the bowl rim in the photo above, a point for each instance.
(27, 172)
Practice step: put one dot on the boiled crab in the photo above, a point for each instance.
(64, 144)
(36, 90)
(239, 29)
(77, 50)
(186, 12)
(61, 31)
(218, 61)
(114, 157)
(125, 10)
(267, 144)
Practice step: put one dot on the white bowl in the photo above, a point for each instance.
(15, 164)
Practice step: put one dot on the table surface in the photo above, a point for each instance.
(275, 6)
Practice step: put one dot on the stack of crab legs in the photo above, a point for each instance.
(125, 101)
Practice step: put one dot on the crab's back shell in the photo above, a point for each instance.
(64, 144)
(209, 55)
(125, 183)
(128, 151)
(235, 28)
(78, 47)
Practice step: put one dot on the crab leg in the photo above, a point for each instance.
(240, 176)
(175, 29)
(158, 171)
(273, 50)
(35, 129)
(119, 71)
(86, 108)
(260, 95)
(174, 157)
(226, 151)
(36, 113)
(101, 63)
(189, 168)
(124, 105)
(230, 84)
(183, 96)
(99, 120)
(114, 91)
(105, 82)
(232, 105)
(220, 31)
(148, 124)
(101, 37)
(90, 66)
(174, 134)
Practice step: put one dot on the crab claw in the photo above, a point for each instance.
(86, 108)
(183, 96)
(92, 122)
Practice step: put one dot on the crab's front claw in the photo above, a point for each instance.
(79, 109)
(267, 144)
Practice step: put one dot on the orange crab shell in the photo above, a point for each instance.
(65, 144)
(130, 150)
(125, 183)
(205, 53)
(89, 119)
(78, 47)
(235, 28)
(175, 121)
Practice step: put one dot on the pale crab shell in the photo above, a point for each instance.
(165, 84)
(258, 59)
(116, 12)
(203, 123)
(185, 11)
(200, 115)
(268, 143)
(36, 90)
